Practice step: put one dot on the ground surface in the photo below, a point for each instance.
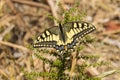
(22, 20)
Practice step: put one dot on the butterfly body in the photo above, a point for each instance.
(63, 37)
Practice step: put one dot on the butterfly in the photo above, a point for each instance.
(65, 36)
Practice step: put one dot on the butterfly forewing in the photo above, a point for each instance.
(78, 29)
(48, 38)
(75, 30)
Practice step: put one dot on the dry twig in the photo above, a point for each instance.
(74, 60)
(6, 19)
(6, 31)
(20, 21)
(32, 4)
(14, 46)
(53, 9)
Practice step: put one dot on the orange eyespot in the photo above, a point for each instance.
(65, 47)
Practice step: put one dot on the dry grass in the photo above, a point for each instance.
(22, 20)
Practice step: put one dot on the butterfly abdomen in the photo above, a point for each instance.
(62, 33)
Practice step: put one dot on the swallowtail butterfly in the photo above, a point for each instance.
(63, 37)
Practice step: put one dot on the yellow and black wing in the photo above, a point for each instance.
(49, 38)
(75, 31)
(64, 36)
